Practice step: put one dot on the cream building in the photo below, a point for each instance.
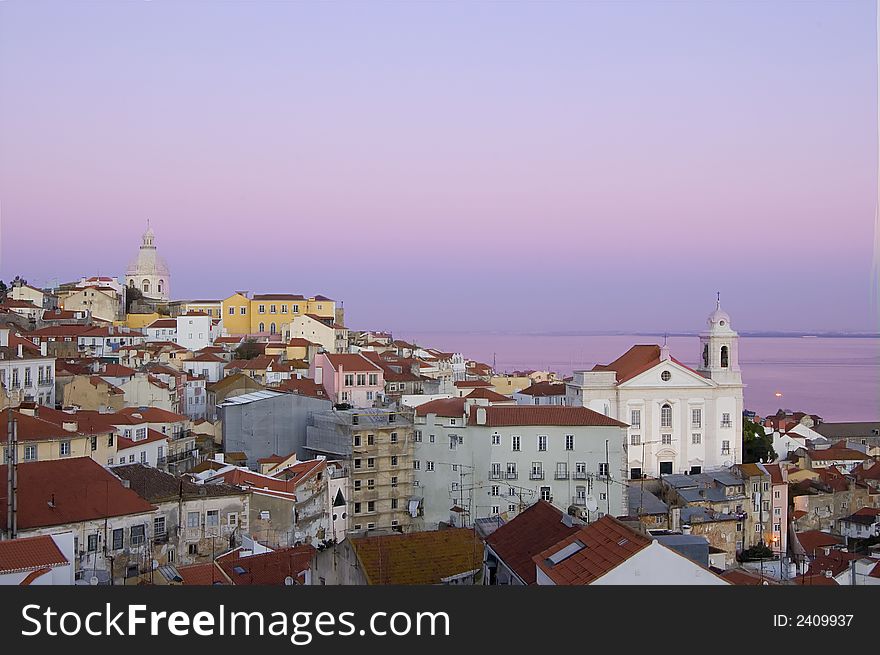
(681, 420)
(148, 271)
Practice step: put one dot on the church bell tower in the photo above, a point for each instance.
(719, 348)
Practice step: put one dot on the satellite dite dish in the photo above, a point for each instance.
(288, 581)
(591, 504)
(93, 581)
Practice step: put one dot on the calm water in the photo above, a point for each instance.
(839, 379)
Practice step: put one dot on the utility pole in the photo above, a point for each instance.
(11, 474)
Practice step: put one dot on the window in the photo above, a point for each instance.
(697, 418)
(696, 470)
(272, 309)
(666, 376)
(357, 508)
(361, 379)
(580, 470)
(725, 447)
(511, 470)
(394, 460)
(30, 453)
(117, 537)
(580, 494)
(666, 416)
(511, 508)
(416, 464)
(393, 437)
(371, 506)
(666, 439)
(542, 442)
(349, 379)
(371, 484)
(495, 471)
(514, 442)
(232, 519)
(374, 380)
(65, 448)
(357, 485)
(725, 420)
(635, 418)
(665, 468)
(696, 438)
(131, 458)
(495, 490)
(283, 309)
(371, 462)
(357, 440)
(143, 457)
(603, 469)
(93, 442)
(192, 519)
(495, 509)
(92, 543)
(429, 466)
(545, 494)
(776, 494)
(137, 534)
(635, 439)
(635, 474)
(393, 480)
(357, 463)
(242, 311)
(766, 486)
(561, 470)
(431, 438)
(159, 526)
(496, 439)
(725, 357)
(537, 471)
(394, 506)
(371, 439)
(261, 309)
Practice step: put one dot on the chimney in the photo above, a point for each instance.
(44, 348)
(20, 351)
(664, 353)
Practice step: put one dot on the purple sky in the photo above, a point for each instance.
(454, 166)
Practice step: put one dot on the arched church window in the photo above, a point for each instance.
(146, 286)
(262, 327)
(272, 328)
(666, 416)
(724, 357)
(161, 285)
(131, 283)
(706, 356)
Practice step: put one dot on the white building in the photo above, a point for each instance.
(681, 420)
(26, 371)
(477, 460)
(196, 330)
(162, 329)
(148, 271)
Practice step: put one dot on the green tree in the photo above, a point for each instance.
(248, 350)
(132, 295)
(757, 446)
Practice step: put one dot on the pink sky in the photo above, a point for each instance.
(523, 166)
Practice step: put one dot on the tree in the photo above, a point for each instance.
(756, 552)
(248, 350)
(757, 446)
(132, 295)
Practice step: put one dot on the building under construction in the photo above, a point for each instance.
(376, 446)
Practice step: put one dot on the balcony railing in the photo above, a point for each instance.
(580, 501)
(561, 475)
(511, 475)
(579, 475)
(536, 475)
(495, 475)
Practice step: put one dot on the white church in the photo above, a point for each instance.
(148, 271)
(681, 420)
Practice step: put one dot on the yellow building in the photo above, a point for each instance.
(510, 384)
(139, 321)
(41, 440)
(271, 313)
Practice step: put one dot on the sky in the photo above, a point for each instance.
(516, 166)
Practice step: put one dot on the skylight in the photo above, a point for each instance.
(566, 552)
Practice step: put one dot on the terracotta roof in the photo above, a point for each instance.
(447, 407)
(867, 470)
(163, 323)
(351, 362)
(201, 574)
(836, 561)
(205, 357)
(124, 443)
(815, 579)
(156, 486)
(244, 478)
(488, 394)
(535, 529)
(499, 415)
(472, 384)
(635, 361)
(152, 414)
(116, 371)
(418, 557)
(813, 540)
(82, 490)
(268, 568)
(742, 577)
(30, 428)
(29, 553)
(605, 544)
(543, 389)
(303, 387)
(298, 342)
(837, 451)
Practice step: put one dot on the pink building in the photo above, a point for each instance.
(779, 505)
(351, 379)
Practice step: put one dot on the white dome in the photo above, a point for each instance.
(719, 320)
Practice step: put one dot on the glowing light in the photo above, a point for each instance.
(778, 394)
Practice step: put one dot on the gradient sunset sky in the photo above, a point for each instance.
(454, 166)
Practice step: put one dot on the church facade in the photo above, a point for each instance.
(148, 272)
(681, 419)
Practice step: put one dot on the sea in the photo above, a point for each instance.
(837, 378)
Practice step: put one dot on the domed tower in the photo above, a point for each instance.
(719, 348)
(148, 272)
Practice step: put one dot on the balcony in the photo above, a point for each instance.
(495, 475)
(511, 475)
(536, 475)
(579, 475)
(561, 475)
(580, 501)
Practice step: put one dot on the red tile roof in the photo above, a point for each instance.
(268, 568)
(30, 553)
(813, 541)
(303, 387)
(152, 414)
(124, 443)
(472, 384)
(81, 488)
(499, 415)
(838, 451)
(488, 394)
(30, 428)
(205, 357)
(635, 361)
(447, 407)
(349, 362)
(607, 543)
(202, 574)
(535, 529)
(545, 389)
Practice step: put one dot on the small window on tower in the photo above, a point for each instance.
(724, 357)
